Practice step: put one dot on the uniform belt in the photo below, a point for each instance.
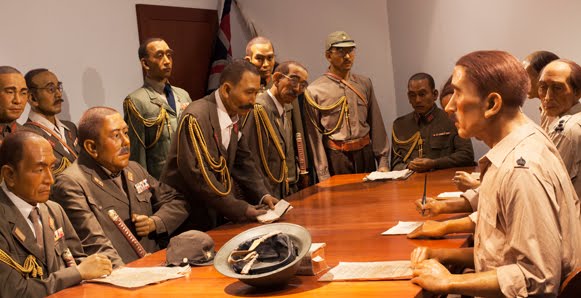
(350, 145)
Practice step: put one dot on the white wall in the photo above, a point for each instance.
(429, 36)
(90, 45)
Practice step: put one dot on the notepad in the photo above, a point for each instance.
(129, 277)
(390, 270)
(392, 175)
(273, 215)
(403, 228)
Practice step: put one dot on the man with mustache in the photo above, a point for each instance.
(13, 97)
(103, 179)
(152, 111)
(426, 138)
(269, 128)
(35, 233)
(46, 98)
(345, 130)
(528, 230)
(209, 153)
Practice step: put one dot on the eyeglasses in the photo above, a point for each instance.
(52, 88)
(296, 81)
(344, 51)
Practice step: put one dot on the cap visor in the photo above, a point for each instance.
(343, 44)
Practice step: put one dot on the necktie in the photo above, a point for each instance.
(169, 96)
(35, 218)
(235, 129)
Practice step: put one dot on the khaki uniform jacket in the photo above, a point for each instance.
(529, 217)
(149, 103)
(14, 126)
(182, 170)
(18, 241)
(87, 193)
(363, 119)
(57, 148)
(441, 142)
(273, 159)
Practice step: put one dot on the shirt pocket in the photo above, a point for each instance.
(440, 143)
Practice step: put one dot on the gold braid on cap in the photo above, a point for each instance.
(415, 140)
(31, 268)
(162, 118)
(262, 121)
(203, 156)
(344, 112)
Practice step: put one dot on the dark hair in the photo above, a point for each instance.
(8, 69)
(91, 122)
(284, 67)
(539, 59)
(142, 51)
(233, 72)
(497, 71)
(12, 148)
(257, 40)
(31, 74)
(574, 79)
(447, 88)
(423, 76)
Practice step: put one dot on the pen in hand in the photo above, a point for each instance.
(424, 196)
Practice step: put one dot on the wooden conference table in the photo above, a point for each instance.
(343, 212)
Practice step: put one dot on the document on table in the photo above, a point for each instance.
(392, 270)
(392, 175)
(273, 215)
(403, 228)
(450, 194)
(475, 175)
(128, 277)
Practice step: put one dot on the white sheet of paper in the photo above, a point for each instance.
(387, 175)
(475, 175)
(450, 194)
(403, 228)
(129, 277)
(273, 215)
(391, 270)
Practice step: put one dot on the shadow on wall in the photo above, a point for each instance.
(93, 91)
(66, 108)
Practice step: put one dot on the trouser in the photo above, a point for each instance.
(351, 162)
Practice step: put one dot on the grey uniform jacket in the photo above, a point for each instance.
(149, 103)
(182, 170)
(87, 193)
(18, 241)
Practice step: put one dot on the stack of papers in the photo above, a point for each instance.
(392, 175)
(273, 215)
(393, 270)
(450, 194)
(128, 277)
(403, 228)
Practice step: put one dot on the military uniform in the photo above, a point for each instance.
(281, 119)
(565, 132)
(8, 128)
(62, 138)
(350, 137)
(18, 241)
(208, 185)
(434, 135)
(528, 226)
(152, 123)
(87, 192)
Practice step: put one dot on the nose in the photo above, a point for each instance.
(451, 106)
(125, 140)
(48, 178)
(18, 98)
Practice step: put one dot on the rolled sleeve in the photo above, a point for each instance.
(512, 281)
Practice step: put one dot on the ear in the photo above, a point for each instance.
(91, 147)
(276, 77)
(144, 64)
(328, 55)
(494, 104)
(32, 99)
(247, 58)
(436, 94)
(8, 174)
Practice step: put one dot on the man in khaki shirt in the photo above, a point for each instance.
(559, 91)
(344, 124)
(528, 230)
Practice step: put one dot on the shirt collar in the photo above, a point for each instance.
(109, 173)
(37, 117)
(279, 106)
(24, 207)
(427, 117)
(9, 127)
(223, 117)
(157, 86)
(500, 151)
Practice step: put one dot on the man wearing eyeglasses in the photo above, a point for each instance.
(151, 112)
(46, 99)
(344, 124)
(269, 129)
(13, 96)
